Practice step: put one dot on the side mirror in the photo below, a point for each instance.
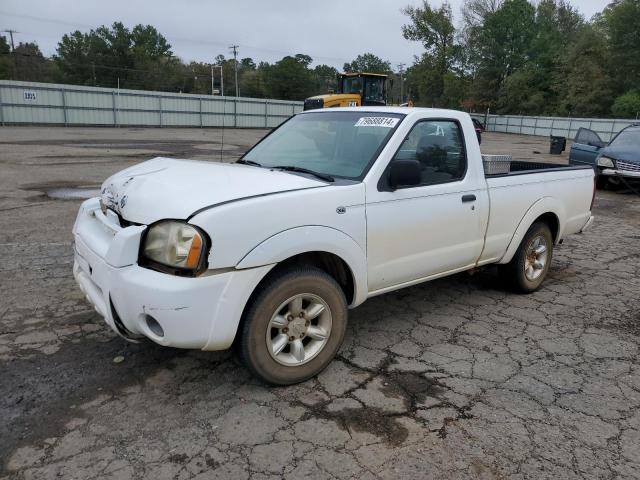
(479, 135)
(404, 173)
(598, 145)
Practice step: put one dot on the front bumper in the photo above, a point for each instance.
(631, 174)
(201, 312)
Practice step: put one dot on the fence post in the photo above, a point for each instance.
(64, 106)
(113, 106)
(535, 126)
(553, 120)
(569, 129)
(235, 112)
(1, 108)
(160, 102)
(613, 129)
(200, 111)
(521, 122)
(266, 113)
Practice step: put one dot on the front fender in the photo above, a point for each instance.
(313, 238)
(540, 207)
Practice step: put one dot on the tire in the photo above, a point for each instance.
(520, 274)
(270, 317)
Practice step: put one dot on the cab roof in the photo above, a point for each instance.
(418, 111)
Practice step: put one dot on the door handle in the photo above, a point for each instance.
(468, 198)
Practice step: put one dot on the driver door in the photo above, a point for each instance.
(586, 147)
(431, 228)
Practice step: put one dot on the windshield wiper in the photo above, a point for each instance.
(291, 168)
(249, 162)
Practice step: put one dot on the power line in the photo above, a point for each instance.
(179, 39)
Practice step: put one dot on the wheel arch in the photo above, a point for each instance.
(548, 210)
(326, 248)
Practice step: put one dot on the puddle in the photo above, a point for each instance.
(72, 193)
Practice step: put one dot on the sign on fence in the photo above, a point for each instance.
(29, 95)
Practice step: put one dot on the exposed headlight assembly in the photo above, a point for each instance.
(175, 247)
(606, 162)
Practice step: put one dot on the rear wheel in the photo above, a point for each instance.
(529, 266)
(294, 327)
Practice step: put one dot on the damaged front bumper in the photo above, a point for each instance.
(201, 312)
(628, 174)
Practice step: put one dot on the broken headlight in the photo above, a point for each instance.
(175, 247)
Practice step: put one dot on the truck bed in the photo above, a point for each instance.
(523, 167)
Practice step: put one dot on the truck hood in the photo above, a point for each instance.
(169, 188)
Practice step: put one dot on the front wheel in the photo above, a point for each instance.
(294, 326)
(530, 264)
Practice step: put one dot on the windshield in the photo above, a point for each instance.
(340, 144)
(627, 138)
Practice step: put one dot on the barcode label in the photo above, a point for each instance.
(386, 122)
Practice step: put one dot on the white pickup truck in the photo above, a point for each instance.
(331, 208)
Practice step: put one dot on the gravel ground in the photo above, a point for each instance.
(451, 379)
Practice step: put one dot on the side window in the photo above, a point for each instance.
(438, 146)
(587, 137)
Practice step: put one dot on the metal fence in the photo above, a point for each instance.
(557, 126)
(54, 104)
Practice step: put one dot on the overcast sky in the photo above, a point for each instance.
(330, 31)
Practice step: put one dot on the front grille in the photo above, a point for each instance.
(313, 103)
(632, 167)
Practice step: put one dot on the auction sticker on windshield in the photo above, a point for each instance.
(387, 122)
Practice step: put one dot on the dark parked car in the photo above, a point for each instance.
(616, 162)
(477, 124)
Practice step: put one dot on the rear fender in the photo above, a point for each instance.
(313, 238)
(540, 207)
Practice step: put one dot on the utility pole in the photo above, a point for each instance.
(11, 32)
(401, 70)
(234, 49)
(13, 51)
(221, 81)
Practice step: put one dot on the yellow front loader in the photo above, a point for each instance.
(354, 90)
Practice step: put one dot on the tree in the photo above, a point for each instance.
(325, 78)
(521, 94)
(5, 59)
(584, 82)
(503, 45)
(289, 78)
(627, 105)
(474, 12)
(252, 83)
(433, 27)
(30, 65)
(620, 21)
(368, 62)
(140, 58)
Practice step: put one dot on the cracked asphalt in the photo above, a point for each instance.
(454, 378)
